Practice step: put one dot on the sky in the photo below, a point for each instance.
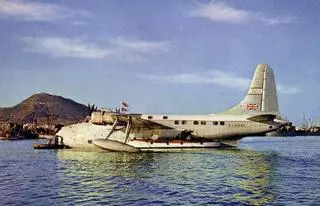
(160, 56)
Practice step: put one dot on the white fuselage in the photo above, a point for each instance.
(205, 126)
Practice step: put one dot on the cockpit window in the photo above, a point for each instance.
(165, 117)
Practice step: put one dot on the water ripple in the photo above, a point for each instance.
(264, 171)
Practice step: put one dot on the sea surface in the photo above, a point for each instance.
(262, 171)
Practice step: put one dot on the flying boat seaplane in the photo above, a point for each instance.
(257, 114)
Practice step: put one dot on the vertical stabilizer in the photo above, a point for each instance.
(261, 97)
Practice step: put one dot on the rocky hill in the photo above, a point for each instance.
(44, 108)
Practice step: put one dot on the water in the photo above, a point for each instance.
(262, 171)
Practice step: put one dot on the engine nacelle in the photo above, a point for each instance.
(102, 118)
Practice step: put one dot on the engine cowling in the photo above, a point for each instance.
(102, 118)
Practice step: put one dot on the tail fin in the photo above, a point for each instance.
(261, 97)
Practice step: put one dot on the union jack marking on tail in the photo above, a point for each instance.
(252, 107)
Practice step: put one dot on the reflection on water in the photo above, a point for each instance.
(264, 171)
(204, 177)
(100, 177)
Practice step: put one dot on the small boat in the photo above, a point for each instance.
(52, 144)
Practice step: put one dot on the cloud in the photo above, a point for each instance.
(36, 11)
(65, 47)
(222, 12)
(285, 89)
(278, 20)
(141, 46)
(215, 77)
(128, 50)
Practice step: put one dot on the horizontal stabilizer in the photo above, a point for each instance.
(262, 118)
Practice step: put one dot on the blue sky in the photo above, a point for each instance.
(181, 57)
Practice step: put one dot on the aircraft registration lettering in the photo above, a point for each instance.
(237, 125)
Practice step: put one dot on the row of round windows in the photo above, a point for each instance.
(200, 122)
(194, 122)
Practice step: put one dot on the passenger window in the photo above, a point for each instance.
(150, 117)
(165, 117)
(215, 123)
(203, 123)
(195, 122)
(176, 122)
(184, 122)
(90, 141)
(221, 123)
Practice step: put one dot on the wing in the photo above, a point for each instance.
(123, 119)
(138, 122)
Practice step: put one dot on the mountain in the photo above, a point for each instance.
(45, 108)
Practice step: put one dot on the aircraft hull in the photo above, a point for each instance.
(90, 137)
(140, 145)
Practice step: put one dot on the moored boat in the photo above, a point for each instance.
(50, 146)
